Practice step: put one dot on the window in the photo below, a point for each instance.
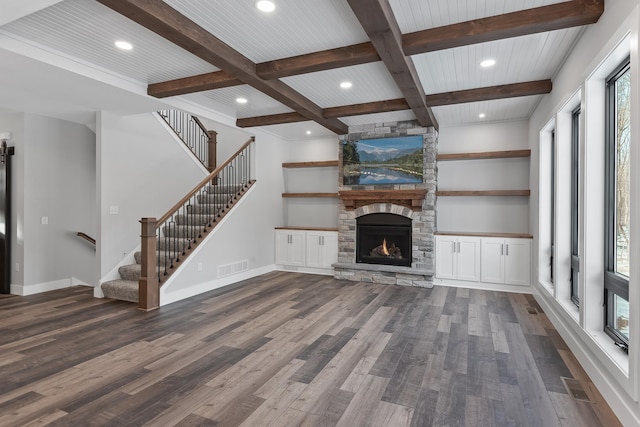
(617, 196)
(552, 227)
(575, 174)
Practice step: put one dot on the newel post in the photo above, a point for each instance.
(212, 146)
(148, 286)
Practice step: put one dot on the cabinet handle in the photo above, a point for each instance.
(322, 240)
(453, 248)
(501, 249)
(458, 247)
(507, 245)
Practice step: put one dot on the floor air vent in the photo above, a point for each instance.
(233, 268)
(575, 389)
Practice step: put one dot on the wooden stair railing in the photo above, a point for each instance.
(194, 135)
(87, 238)
(169, 240)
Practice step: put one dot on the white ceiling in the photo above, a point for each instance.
(61, 60)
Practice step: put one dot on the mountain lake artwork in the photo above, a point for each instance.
(383, 161)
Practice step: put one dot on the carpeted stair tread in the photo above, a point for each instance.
(183, 231)
(228, 189)
(130, 272)
(171, 245)
(161, 257)
(195, 218)
(207, 208)
(126, 290)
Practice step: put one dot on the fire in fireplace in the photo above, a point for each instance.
(383, 238)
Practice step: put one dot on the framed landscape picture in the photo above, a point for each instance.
(380, 161)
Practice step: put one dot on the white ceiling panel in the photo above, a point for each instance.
(416, 15)
(371, 82)
(294, 28)
(87, 30)
(526, 58)
(496, 110)
(258, 104)
(394, 116)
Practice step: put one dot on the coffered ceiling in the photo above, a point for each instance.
(406, 59)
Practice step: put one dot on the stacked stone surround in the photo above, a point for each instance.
(423, 221)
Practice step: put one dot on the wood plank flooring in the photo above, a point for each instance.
(288, 349)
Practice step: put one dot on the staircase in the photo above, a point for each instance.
(176, 239)
(169, 240)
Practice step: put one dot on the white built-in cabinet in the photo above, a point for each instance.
(312, 248)
(483, 259)
(506, 261)
(458, 258)
(322, 249)
(290, 247)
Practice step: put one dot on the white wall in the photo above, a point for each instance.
(615, 374)
(59, 186)
(143, 172)
(481, 213)
(246, 234)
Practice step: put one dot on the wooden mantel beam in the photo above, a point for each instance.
(546, 18)
(377, 19)
(513, 90)
(167, 22)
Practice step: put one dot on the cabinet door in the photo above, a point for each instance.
(468, 252)
(329, 249)
(492, 260)
(290, 247)
(314, 249)
(297, 248)
(282, 247)
(517, 260)
(446, 257)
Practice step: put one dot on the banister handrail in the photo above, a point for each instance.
(209, 178)
(86, 237)
(200, 124)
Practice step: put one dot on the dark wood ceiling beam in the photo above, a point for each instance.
(513, 90)
(378, 21)
(167, 22)
(318, 61)
(530, 21)
(199, 83)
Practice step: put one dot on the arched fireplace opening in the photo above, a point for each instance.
(383, 238)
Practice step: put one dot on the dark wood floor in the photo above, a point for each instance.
(290, 349)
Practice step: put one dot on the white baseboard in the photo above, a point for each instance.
(38, 288)
(484, 286)
(178, 295)
(310, 270)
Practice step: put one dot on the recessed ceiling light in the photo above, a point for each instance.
(346, 85)
(488, 63)
(241, 100)
(308, 132)
(121, 44)
(266, 5)
(481, 115)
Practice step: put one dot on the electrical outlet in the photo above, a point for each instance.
(45, 220)
(113, 210)
(17, 266)
(199, 266)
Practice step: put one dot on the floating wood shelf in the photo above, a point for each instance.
(483, 193)
(307, 228)
(485, 155)
(412, 199)
(310, 195)
(323, 164)
(484, 234)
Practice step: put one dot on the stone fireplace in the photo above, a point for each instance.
(404, 213)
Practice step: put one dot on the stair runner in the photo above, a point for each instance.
(126, 288)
